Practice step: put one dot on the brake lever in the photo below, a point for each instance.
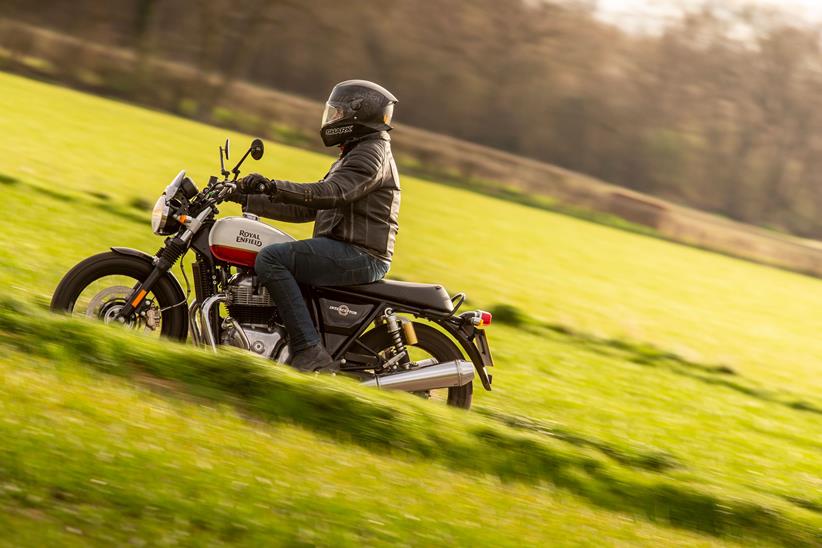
(224, 189)
(228, 188)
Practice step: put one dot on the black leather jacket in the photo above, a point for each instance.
(358, 200)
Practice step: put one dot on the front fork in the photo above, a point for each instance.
(170, 253)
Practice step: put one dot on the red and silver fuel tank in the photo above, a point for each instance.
(237, 240)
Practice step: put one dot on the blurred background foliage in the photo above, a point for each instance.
(647, 392)
(716, 110)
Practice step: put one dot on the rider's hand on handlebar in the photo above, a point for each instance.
(234, 195)
(255, 184)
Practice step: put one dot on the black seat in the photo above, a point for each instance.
(428, 296)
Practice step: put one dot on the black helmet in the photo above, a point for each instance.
(356, 108)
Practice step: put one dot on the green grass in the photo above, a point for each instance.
(127, 468)
(89, 457)
(648, 384)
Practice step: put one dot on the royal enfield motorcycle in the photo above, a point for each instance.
(389, 334)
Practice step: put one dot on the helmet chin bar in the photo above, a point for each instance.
(337, 133)
(344, 131)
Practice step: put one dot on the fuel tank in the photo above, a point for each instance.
(237, 240)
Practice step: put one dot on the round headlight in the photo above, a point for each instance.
(160, 217)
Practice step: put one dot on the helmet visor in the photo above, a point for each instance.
(332, 113)
(388, 114)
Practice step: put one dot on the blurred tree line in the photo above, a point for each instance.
(718, 110)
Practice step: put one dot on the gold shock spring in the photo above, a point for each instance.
(409, 333)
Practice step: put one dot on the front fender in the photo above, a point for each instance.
(143, 256)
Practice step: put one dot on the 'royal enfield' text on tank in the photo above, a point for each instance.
(389, 334)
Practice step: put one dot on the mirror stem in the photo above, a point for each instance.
(223, 171)
(236, 170)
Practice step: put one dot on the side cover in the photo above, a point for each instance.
(340, 320)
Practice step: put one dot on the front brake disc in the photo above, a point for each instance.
(107, 296)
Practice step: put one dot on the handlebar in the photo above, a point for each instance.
(227, 189)
(216, 191)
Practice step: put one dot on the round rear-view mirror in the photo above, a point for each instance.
(257, 149)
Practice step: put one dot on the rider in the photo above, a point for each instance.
(354, 207)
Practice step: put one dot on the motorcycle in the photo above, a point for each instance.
(370, 329)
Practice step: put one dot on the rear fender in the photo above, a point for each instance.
(470, 349)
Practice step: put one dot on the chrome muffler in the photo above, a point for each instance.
(431, 377)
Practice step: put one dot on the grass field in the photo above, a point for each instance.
(655, 393)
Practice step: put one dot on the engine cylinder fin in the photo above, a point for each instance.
(243, 293)
(249, 305)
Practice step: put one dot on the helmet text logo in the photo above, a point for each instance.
(339, 130)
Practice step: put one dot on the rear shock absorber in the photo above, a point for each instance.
(394, 328)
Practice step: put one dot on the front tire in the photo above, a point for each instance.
(438, 346)
(174, 313)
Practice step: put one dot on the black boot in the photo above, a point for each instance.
(314, 359)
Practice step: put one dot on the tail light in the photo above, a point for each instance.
(477, 318)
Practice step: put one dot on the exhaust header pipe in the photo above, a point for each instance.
(441, 375)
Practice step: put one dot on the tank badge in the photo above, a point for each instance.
(249, 238)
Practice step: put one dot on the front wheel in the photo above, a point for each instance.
(431, 344)
(99, 286)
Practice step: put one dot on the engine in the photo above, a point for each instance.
(251, 306)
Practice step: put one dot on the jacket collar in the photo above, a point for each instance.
(382, 135)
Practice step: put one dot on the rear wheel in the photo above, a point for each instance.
(99, 287)
(432, 344)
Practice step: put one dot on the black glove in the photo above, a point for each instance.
(237, 197)
(256, 184)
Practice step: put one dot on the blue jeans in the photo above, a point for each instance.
(319, 262)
